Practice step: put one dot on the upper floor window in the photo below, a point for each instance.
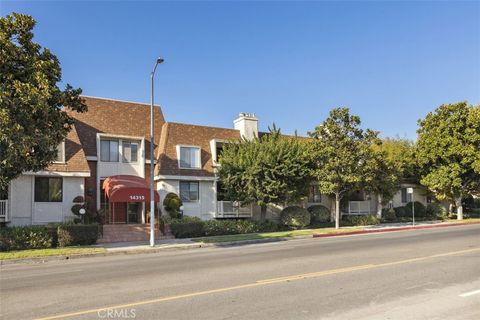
(60, 153)
(189, 158)
(48, 189)
(406, 197)
(109, 150)
(314, 195)
(130, 151)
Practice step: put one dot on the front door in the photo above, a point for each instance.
(133, 212)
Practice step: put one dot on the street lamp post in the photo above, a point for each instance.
(152, 159)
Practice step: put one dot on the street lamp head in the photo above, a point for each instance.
(159, 60)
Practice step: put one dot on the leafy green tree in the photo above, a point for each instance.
(272, 169)
(342, 156)
(32, 120)
(401, 154)
(448, 151)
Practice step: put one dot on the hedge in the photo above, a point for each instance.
(420, 210)
(23, 238)
(77, 234)
(295, 217)
(360, 220)
(319, 213)
(187, 227)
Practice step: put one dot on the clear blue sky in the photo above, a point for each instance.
(287, 62)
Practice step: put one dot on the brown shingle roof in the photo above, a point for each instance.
(75, 160)
(174, 134)
(116, 117)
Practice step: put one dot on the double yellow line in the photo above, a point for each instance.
(260, 283)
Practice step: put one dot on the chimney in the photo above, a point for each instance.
(247, 124)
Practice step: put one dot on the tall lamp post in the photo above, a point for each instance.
(152, 159)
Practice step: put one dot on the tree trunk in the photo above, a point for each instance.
(379, 206)
(263, 213)
(337, 210)
(458, 204)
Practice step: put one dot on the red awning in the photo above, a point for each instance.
(125, 188)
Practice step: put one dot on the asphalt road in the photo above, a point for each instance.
(424, 274)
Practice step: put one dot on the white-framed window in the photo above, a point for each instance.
(314, 194)
(189, 157)
(130, 151)
(189, 191)
(109, 150)
(60, 153)
(48, 189)
(406, 197)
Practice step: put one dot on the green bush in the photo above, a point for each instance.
(295, 217)
(319, 213)
(435, 211)
(221, 227)
(402, 212)
(172, 204)
(187, 227)
(22, 238)
(360, 220)
(389, 214)
(420, 210)
(77, 234)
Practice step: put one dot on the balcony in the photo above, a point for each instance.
(358, 207)
(3, 210)
(232, 209)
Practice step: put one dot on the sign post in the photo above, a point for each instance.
(410, 191)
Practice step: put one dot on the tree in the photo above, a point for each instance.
(401, 154)
(382, 175)
(342, 155)
(448, 151)
(272, 169)
(32, 119)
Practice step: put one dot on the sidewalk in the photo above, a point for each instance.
(239, 240)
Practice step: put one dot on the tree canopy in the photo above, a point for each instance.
(32, 120)
(342, 156)
(272, 169)
(448, 151)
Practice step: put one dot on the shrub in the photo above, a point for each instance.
(360, 220)
(420, 210)
(187, 227)
(220, 227)
(22, 238)
(172, 204)
(402, 212)
(435, 210)
(319, 213)
(389, 214)
(295, 217)
(77, 234)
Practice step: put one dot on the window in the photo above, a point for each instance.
(60, 153)
(314, 194)
(406, 197)
(189, 158)
(130, 151)
(109, 150)
(48, 189)
(189, 191)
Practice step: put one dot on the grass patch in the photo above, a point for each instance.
(37, 253)
(467, 220)
(272, 235)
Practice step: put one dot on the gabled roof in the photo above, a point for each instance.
(75, 160)
(174, 134)
(118, 118)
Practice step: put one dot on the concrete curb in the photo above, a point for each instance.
(393, 229)
(223, 244)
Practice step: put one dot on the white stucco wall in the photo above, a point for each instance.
(419, 194)
(204, 208)
(23, 210)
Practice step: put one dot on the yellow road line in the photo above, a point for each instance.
(260, 283)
